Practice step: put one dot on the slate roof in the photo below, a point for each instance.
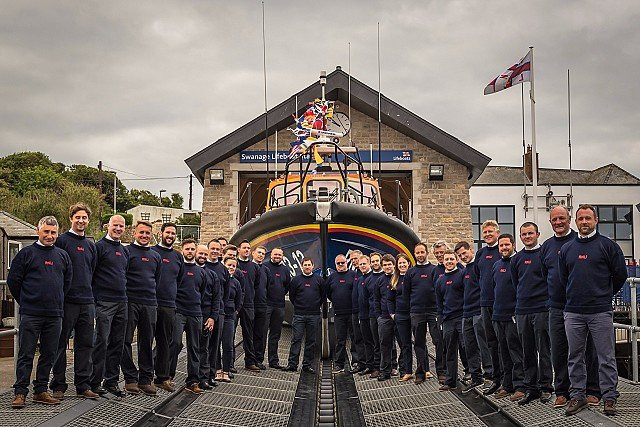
(606, 175)
(15, 227)
(365, 100)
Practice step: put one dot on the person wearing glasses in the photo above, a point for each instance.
(339, 289)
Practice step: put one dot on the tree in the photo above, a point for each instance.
(144, 197)
(189, 219)
(176, 200)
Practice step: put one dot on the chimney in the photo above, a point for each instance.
(526, 161)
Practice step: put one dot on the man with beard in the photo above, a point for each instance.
(278, 281)
(364, 265)
(250, 270)
(110, 293)
(370, 284)
(171, 272)
(220, 276)
(79, 307)
(143, 275)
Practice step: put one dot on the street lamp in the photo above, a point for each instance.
(162, 191)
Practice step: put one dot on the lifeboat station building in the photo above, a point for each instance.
(425, 172)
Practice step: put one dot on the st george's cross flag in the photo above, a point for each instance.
(518, 73)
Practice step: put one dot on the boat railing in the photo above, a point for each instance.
(404, 216)
(245, 216)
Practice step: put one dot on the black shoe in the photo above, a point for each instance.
(545, 397)
(291, 368)
(114, 389)
(278, 367)
(492, 389)
(308, 369)
(100, 390)
(366, 371)
(204, 386)
(528, 398)
(212, 382)
(233, 371)
(382, 377)
(472, 386)
(575, 406)
(610, 407)
(356, 369)
(231, 376)
(261, 367)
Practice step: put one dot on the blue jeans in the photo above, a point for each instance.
(304, 325)
(600, 325)
(48, 330)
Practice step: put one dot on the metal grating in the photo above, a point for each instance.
(234, 416)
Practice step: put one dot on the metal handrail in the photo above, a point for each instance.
(633, 328)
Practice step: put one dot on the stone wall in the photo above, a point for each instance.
(441, 208)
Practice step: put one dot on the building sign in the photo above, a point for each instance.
(386, 156)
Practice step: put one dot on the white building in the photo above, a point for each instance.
(159, 213)
(500, 193)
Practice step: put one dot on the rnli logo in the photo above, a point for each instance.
(488, 257)
(144, 259)
(80, 249)
(449, 282)
(307, 285)
(166, 261)
(466, 276)
(189, 273)
(118, 253)
(342, 281)
(47, 262)
(527, 261)
(277, 274)
(583, 257)
(424, 276)
(503, 270)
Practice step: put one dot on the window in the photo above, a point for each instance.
(166, 217)
(504, 215)
(145, 216)
(13, 249)
(612, 222)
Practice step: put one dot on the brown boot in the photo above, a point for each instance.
(88, 394)
(45, 398)
(148, 389)
(167, 386)
(194, 388)
(132, 388)
(58, 394)
(516, 396)
(18, 401)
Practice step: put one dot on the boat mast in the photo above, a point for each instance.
(379, 115)
(264, 72)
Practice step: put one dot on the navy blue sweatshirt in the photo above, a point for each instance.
(471, 290)
(398, 303)
(143, 274)
(363, 295)
(307, 294)
(438, 271)
(82, 253)
(233, 303)
(278, 283)
(593, 271)
(38, 279)
(221, 281)
(371, 284)
(504, 304)
(549, 256)
(249, 270)
(355, 292)
(485, 258)
(419, 289)
(172, 270)
(339, 290)
(110, 275)
(381, 297)
(450, 291)
(260, 299)
(211, 299)
(529, 281)
(194, 284)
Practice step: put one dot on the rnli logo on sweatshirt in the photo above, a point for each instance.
(583, 256)
(166, 261)
(307, 285)
(80, 249)
(527, 261)
(449, 282)
(466, 276)
(277, 274)
(189, 273)
(118, 253)
(144, 259)
(342, 281)
(503, 270)
(424, 276)
(488, 257)
(48, 262)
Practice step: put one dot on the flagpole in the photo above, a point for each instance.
(379, 116)
(569, 117)
(266, 111)
(534, 152)
(524, 147)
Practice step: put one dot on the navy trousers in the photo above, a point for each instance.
(304, 326)
(275, 317)
(111, 325)
(143, 318)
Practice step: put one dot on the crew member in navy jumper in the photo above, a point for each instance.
(402, 318)
(364, 265)
(385, 313)
(221, 280)
(260, 307)
(278, 281)
(110, 292)
(355, 334)
(39, 277)
(593, 270)
(250, 270)
(532, 316)
(307, 293)
(79, 308)
(472, 330)
(485, 258)
(450, 293)
(232, 306)
(504, 322)
(339, 290)
(560, 220)
(210, 303)
(376, 274)
(194, 285)
(172, 270)
(420, 291)
(143, 276)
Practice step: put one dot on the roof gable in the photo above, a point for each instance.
(15, 227)
(365, 100)
(510, 175)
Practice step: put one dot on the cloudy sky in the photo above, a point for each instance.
(143, 85)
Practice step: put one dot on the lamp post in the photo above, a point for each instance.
(162, 191)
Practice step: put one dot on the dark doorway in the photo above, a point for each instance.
(252, 195)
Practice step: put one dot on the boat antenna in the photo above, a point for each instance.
(264, 72)
(569, 120)
(323, 82)
(349, 43)
(379, 113)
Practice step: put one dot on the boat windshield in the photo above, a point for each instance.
(277, 196)
(369, 193)
(333, 187)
